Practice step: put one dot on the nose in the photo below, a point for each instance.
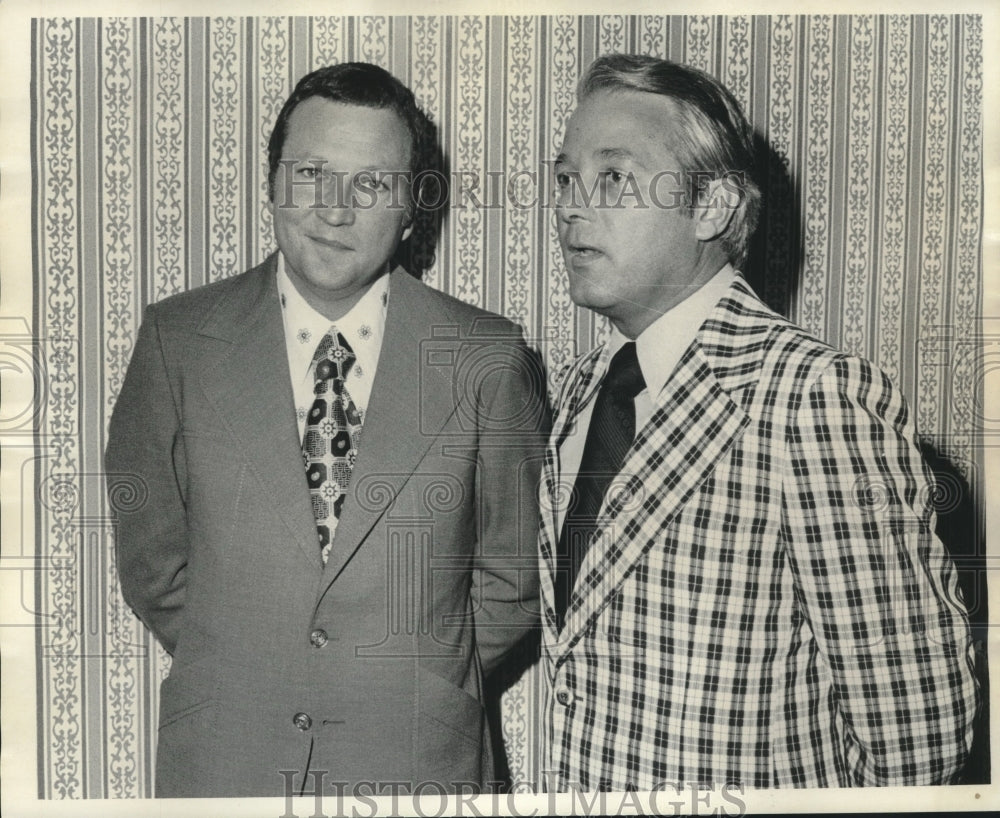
(337, 215)
(338, 205)
(568, 215)
(569, 206)
(570, 212)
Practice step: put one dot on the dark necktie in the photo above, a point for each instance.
(332, 432)
(611, 432)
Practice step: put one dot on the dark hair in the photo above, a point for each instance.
(355, 83)
(713, 140)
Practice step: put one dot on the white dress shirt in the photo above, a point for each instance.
(659, 348)
(362, 327)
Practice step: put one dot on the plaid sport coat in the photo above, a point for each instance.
(765, 603)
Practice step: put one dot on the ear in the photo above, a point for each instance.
(412, 194)
(715, 209)
(272, 192)
(407, 227)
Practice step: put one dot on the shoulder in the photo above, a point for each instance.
(770, 360)
(818, 371)
(446, 313)
(745, 329)
(817, 377)
(190, 308)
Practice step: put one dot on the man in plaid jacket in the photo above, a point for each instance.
(740, 578)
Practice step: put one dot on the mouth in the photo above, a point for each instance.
(582, 253)
(331, 244)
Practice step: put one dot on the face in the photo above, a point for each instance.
(339, 199)
(633, 250)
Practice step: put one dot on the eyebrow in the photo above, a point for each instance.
(377, 167)
(606, 154)
(616, 153)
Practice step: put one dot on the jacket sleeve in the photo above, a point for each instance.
(875, 584)
(514, 422)
(145, 449)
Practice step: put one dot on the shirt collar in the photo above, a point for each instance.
(362, 326)
(660, 346)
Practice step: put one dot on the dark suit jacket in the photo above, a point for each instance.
(369, 668)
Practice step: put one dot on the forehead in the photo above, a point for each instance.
(607, 123)
(320, 128)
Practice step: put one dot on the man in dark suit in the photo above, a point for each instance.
(341, 466)
(741, 582)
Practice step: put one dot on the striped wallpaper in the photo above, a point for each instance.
(148, 148)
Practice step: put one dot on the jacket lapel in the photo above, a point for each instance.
(250, 387)
(696, 424)
(578, 387)
(403, 420)
(693, 432)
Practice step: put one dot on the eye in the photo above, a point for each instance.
(613, 175)
(567, 180)
(308, 171)
(372, 180)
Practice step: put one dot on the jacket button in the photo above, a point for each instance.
(318, 638)
(302, 721)
(563, 696)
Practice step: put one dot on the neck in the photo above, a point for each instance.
(633, 326)
(330, 306)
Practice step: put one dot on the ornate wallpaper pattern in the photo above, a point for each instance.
(149, 157)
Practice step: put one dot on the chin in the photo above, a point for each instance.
(585, 293)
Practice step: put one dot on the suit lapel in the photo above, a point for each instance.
(579, 386)
(696, 424)
(403, 420)
(693, 432)
(250, 387)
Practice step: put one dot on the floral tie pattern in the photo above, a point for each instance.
(332, 432)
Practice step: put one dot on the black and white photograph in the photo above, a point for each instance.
(474, 409)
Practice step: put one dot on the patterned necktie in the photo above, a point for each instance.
(332, 432)
(611, 432)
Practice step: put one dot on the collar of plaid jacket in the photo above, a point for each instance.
(697, 419)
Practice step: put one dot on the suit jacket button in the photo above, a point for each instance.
(563, 696)
(302, 721)
(318, 638)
